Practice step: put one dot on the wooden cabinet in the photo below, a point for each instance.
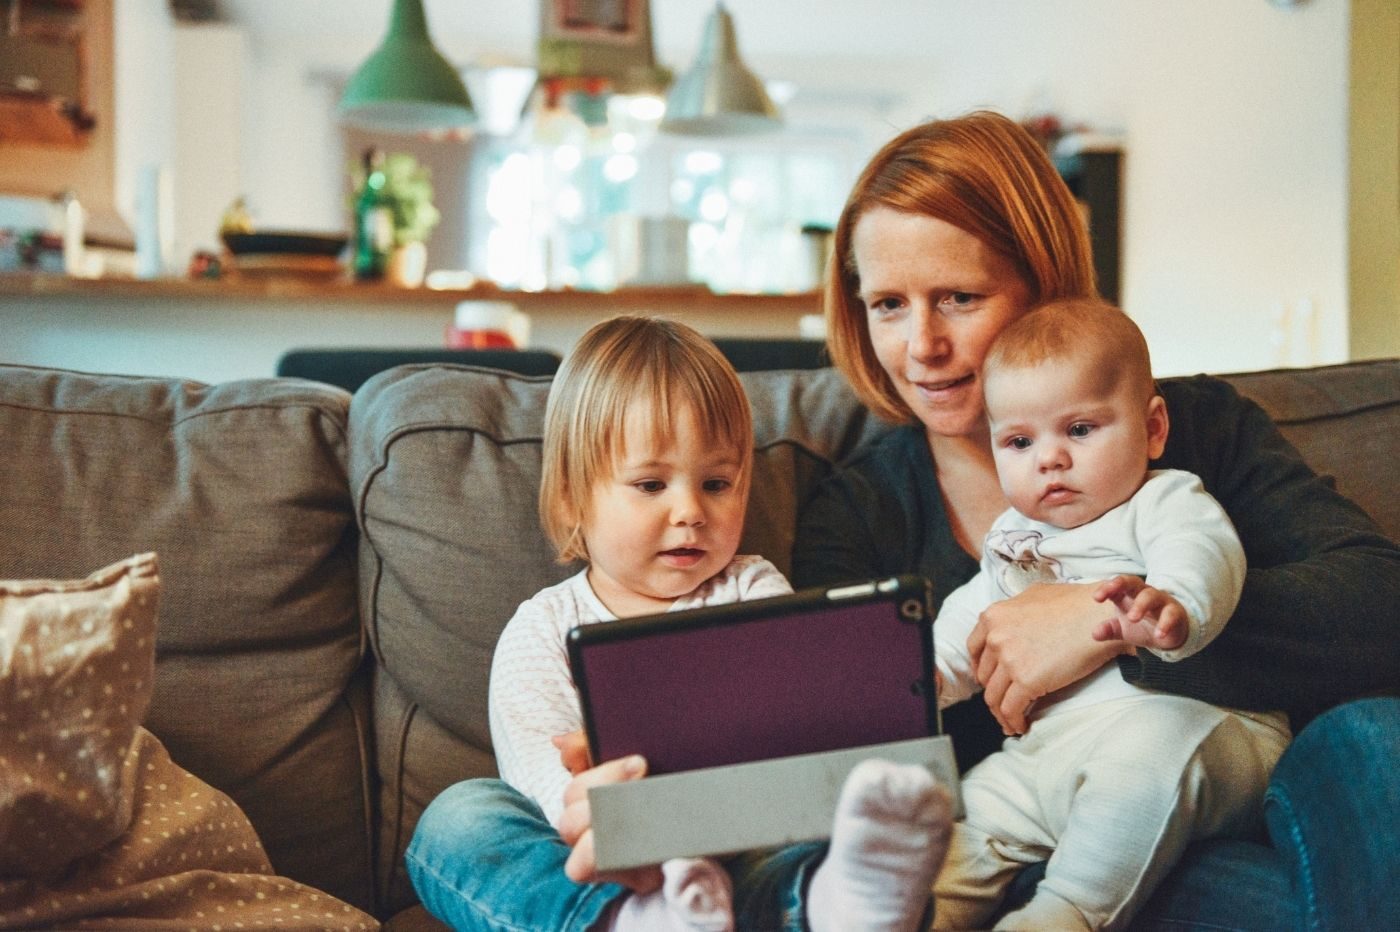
(1094, 175)
(43, 86)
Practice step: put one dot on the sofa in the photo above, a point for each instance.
(335, 569)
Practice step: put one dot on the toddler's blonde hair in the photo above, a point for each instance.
(661, 365)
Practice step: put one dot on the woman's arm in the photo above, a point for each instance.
(1319, 619)
(1034, 643)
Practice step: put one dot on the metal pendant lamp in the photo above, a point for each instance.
(406, 86)
(719, 95)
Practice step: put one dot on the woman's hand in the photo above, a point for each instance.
(1037, 642)
(576, 824)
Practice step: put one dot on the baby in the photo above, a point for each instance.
(1111, 781)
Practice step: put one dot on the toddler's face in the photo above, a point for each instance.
(667, 519)
(1070, 444)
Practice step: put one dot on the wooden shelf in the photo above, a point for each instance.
(278, 289)
(46, 122)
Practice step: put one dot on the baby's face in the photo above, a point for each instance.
(1070, 444)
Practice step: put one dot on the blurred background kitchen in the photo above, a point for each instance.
(1240, 163)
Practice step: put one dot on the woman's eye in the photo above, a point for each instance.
(885, 307)
(959, 300)
(1019, 443)
(1080, 431)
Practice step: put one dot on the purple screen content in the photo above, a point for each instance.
(838, 677)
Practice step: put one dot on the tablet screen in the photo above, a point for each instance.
(819, 670)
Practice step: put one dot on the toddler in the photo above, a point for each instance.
(647, 460)
(1111, 781)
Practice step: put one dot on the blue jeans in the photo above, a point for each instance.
(1333, 814)
(484, 858)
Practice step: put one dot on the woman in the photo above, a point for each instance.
(956, 228)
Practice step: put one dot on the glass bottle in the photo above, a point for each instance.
(374, 221)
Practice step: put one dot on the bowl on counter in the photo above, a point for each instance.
(285, 254)
(284, 242)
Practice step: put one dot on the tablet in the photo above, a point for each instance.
(819, 670)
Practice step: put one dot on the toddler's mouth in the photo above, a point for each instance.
(683, 558)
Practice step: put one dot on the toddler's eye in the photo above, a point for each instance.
(649, 485)
(1080, 431)
(718, 485)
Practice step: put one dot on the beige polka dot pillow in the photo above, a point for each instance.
(99, 828)
(76, 664)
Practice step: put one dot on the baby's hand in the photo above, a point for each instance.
(1146, 617)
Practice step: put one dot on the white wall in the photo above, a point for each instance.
(1233, 113)
(208, 110)
(143, 76)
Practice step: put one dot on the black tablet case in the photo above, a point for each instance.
(819, 670)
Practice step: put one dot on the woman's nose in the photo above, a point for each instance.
(928, 337)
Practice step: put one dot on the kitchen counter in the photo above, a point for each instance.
(214, 330)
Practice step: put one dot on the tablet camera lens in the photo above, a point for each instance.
(912, 609)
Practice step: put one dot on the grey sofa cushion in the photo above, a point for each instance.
(1343, 420)
(445, 470)
(241, 489)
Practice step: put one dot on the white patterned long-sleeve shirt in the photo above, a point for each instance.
(532, 696)
(1171, 532)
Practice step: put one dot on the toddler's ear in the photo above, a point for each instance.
(1157, 426)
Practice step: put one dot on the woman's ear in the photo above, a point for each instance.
(1157, 426)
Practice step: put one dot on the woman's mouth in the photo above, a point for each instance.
(935, 389)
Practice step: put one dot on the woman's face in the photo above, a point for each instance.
(935, 298)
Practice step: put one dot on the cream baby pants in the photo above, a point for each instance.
(1110, 793)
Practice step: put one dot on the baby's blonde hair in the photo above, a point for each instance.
(1087, 330)
(622, 362)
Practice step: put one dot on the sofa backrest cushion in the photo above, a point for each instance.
(445, 470)
(1345, 421)
(241, 489)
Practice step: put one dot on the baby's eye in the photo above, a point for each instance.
(1081, 430)
(649, 485)
(1019, 443)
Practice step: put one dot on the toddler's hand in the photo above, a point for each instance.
(573, 752)
(576, 826)
(1146, 617)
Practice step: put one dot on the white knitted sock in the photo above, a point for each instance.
(887, 842)
(696, 896)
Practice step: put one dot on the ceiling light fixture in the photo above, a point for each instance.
(719, 95)
(407, 86)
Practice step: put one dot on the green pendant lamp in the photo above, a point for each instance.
(719, 95)
(406, 86)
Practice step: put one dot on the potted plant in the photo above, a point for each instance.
(406, 191)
